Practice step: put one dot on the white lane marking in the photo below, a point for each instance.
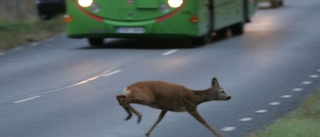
(50, 39)
(318, 70)
(169, 52)
(112, 73)
(314, 76)
(228, 128)
(77, 84)
(274, 103)
(245, 119)
(17, 49)
(49, 46)
(2, 53)
(297, 89)
(63, 35)
(286, 96)
(27, 99)
(67, 87)
(306, 82)
(261, 111)
(34, 44)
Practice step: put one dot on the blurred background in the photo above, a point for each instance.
(18, 10)
(21, 21)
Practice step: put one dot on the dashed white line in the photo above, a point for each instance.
(314, 76)
(26, 99)
(34, 44)
(306, 82)
(112, 73)
(169, 52)
(17, 49)
(245, 119)
(50, 39)
(2, 53)
(297, 89)
(261, 111)
(63, 35)
(228, 128)
(49, 46)
(274, 103)
(286, 96)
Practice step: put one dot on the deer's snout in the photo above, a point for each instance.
(228, 98)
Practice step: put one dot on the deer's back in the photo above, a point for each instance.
(161, 95)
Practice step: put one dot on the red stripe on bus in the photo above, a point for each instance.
(171, 14)
(97, 18)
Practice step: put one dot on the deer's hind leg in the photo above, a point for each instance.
(121, 101)
(125, 103)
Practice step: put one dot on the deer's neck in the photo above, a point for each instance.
(203, 95)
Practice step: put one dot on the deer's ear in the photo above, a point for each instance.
(214, 82)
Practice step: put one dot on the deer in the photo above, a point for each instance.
(169, 97)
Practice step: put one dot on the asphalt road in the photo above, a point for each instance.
(61, 88)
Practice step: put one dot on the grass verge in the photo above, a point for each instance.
(16, 33)
(302, 122)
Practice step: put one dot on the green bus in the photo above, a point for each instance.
(191, 19)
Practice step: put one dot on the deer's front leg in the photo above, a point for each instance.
(197, 116)
(163, 112)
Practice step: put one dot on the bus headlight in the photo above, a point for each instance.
(175, 3)
(85, 3)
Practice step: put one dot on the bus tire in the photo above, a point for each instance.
(274, 3)
(202, 40)
(281, 3)
(95, 42)
(221, 33)
(237, 29)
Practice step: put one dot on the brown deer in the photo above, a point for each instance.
(170, 97)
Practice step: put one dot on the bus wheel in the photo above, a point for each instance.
(281, 3)
(202, 40)
(95, 42)
(274, 3)
(237, 29)
(221, 33)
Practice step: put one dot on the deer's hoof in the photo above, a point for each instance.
(220, 136)
(139, 119)
(128, 117)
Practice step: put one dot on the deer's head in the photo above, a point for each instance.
(217, 92)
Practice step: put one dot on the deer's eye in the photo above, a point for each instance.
(222, 91)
